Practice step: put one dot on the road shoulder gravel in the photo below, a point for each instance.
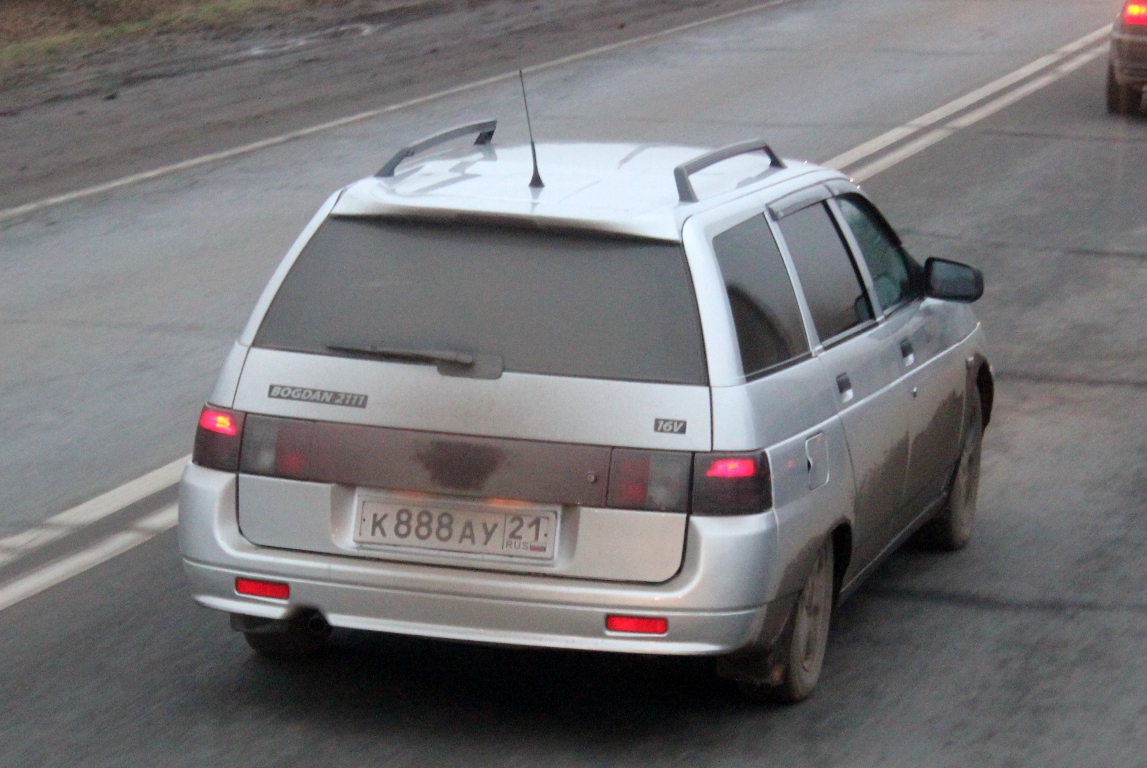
(156, 102)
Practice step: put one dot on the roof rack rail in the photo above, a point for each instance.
(485, 130)
(682, 172)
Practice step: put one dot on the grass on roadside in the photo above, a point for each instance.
(33, 31)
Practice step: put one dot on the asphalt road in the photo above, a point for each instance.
(1025, 649)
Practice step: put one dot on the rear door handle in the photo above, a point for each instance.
(907, 353)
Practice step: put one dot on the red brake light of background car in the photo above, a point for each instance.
(732, 468)
(643, 625)
(1135, 13)
(273, 589)
(217, 439)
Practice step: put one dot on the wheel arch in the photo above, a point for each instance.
(986, 385)
(841, 555)
(980, 376)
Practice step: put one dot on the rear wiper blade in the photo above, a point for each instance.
(411, 355)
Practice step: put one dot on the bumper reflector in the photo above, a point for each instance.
(255, 588)
(643, 625)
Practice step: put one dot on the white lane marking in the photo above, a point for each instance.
(937, 135)
(61, 570)
(59, 526)
(885, 140)
(135, 178)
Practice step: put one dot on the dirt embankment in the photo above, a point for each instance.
(40, 39)
(31, 29)
(100, 108)
(40, 24)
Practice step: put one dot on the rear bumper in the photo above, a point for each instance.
(473, 619)
(1129, 57)
(717, 603)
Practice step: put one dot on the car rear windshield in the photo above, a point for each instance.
(546, 302)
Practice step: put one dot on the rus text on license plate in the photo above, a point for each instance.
(529, 533)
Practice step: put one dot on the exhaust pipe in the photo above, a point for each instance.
(317, 625)
(310, 622)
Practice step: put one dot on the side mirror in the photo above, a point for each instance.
(953, 281)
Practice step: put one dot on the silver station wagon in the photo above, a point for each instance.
(659, 400)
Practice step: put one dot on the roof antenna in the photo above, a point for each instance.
(536, 182)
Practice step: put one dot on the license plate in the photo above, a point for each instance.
(522, 532)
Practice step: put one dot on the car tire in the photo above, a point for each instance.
(951, 529)
(802, 646)
(298, 638)
(1121, 99)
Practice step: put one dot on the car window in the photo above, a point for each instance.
(893, 271)
(831, 283)
(546, 302)
(770, 331)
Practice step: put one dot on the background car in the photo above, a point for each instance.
(1127, 60)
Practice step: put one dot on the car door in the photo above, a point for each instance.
(863, 361)
(932, 371)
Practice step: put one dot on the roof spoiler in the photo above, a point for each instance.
(485, 130)
(682, 172)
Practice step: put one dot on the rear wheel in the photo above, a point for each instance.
(803, 644)
(951, 528)
(1121, 99)
(299, 637)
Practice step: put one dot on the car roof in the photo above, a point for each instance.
(626, 189)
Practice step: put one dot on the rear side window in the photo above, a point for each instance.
(545, 302)
(770, 330)
(832, 286)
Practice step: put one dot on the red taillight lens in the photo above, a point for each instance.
(643, 625)
(277, 447)
(223, 422)
(217, 438)
(629, 479)
(653, 480)
(731, 484)
(732, 468)
(274, 589)
(1135, 13)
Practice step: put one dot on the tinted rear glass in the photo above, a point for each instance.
(770, 330)
(548, 303)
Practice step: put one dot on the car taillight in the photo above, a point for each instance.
(653, 480)
(217, 438)
(1135, 13)
(731, 483)
(277, 447)
(731, 468)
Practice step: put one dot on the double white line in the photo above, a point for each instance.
(1053, 66)
(55, 528)
(50, 575)
(928, 130)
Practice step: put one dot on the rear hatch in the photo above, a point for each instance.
(467, 394)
